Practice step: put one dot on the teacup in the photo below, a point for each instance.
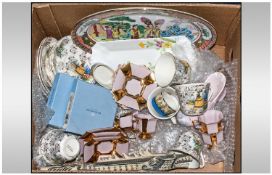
(193, 98)
(57, 147)
(163, 103)
(171, 71)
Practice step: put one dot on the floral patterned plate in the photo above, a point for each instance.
(136, 23)
(44, 69)
(71, 59)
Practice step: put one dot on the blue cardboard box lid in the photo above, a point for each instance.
(59, 98)
(91, 107)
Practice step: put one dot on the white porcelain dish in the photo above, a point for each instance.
(137, 51)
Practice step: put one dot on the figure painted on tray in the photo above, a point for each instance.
(158, 24)
(135, 33)
(109, 32)
(151, 30)
(95, 30)
(116, 32)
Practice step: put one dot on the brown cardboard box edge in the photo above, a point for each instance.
(52, 19)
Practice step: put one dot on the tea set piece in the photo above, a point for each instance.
(171, 102)
(193, 98)
(171, 71)
(217, 91)
(71, 59)
(165, 69)
(43, 68)
(57, 147)
(105, 141)
(136, 51)
(188, 121)
(132, 84)
(138, 23)
(141, 122)
(211, 127)
(186, 153)
(191, 144)
(103, 75)
(208, 36)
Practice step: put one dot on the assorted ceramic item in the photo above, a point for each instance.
(186, 153)
(128, 60)
(132, 85)
(44, 69)
(170, 71)
(193, 98)
(137, 23)
(217, 91)
(163, 103)
(107, 141)
(57, 147)
(211, 127)
(61, 56)
(71, 59)
(140, 51)
(103, 75)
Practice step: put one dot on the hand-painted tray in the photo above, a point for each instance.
(136, 23)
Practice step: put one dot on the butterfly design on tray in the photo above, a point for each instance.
(152, 30)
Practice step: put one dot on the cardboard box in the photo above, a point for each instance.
(58, 19)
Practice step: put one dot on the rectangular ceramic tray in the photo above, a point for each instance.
(137, 51)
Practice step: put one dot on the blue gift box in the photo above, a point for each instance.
(80, 106)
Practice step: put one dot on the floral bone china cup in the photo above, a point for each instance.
(193, 98)
(58, 147)
(171, 71)
(163, 103)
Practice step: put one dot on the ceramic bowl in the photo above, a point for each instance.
(193, 98)
(172, 101)
(57, 147)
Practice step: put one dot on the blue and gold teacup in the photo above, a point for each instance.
(163, 103)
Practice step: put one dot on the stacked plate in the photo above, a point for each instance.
(60, 56)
